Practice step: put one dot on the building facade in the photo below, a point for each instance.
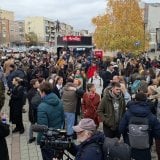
(46, 30)
(5, 18)
(152, 22)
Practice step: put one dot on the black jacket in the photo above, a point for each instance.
(16, 104)
(90, 149)
(4, 131)
(34, 100)
(56, 91)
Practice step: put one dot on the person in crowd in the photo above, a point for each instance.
(84, 77)
(3, 86)
(108, 75)
(16, 105)
(140, 108)
(111, 110)
(79, 93)
(34, 100)
(91, 70)
(58, 88)
(90, 140)
(98, 82)
(90, 103)
(7, 63)
(78, 75)
(50, 113)
(15, 71)
(69, 99)
(4, 132)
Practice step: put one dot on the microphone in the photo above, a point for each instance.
(39, 128)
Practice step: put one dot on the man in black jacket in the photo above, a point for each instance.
(108, 75)
(4, 132)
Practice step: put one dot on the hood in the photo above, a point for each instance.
(51, 99)
(139, 109)
(109, 95)
(98, 137)
(69, 84)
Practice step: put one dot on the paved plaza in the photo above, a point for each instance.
(18, 147)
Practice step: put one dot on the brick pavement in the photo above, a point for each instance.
(18, 147)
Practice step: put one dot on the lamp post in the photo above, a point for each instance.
(1, 34)
(57, 27)
(144, 25)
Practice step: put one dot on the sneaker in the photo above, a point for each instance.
(32, 140)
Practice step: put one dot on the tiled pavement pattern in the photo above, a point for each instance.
(18, 147)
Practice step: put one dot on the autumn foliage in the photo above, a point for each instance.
(121, 27)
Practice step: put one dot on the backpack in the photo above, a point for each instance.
(139, 132)
(135, 86)
(115, 150)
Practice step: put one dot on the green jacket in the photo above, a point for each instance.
(50, 113)
(106, 110)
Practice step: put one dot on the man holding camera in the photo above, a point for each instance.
(90, 140)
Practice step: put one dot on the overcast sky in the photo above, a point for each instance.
(77, 13)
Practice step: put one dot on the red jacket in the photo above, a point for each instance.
(89, 107)
(91, 71)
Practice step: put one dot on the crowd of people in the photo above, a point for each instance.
(79, 91)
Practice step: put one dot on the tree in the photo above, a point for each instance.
(31, 38)
(121, 27)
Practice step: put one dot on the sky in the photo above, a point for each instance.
(77, 13)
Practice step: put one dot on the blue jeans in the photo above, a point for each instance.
(69, 119)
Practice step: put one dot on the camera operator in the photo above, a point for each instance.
(49, 113)
(90, 140)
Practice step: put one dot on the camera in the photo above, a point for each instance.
(56, 138)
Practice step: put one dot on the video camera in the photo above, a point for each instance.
(55, 139)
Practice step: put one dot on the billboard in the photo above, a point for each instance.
(74, 41)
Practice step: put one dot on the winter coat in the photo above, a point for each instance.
(57, 92)
(107, 76)
(98, 82)
(50, 113)
(2, 94)
(4, 132)
(140, 109)
(34, 100)
(90, 149)
(16, 73)
(16, 104)
(106, 110)
(89, 107)
(69, 98)
(91, 71)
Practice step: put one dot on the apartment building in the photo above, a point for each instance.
(45, 29)
(152, 22)
(5, 18)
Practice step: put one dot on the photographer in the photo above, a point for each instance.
(49, 113)
(4, 131)
(90, 147)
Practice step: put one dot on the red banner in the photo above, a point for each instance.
(72, 38)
